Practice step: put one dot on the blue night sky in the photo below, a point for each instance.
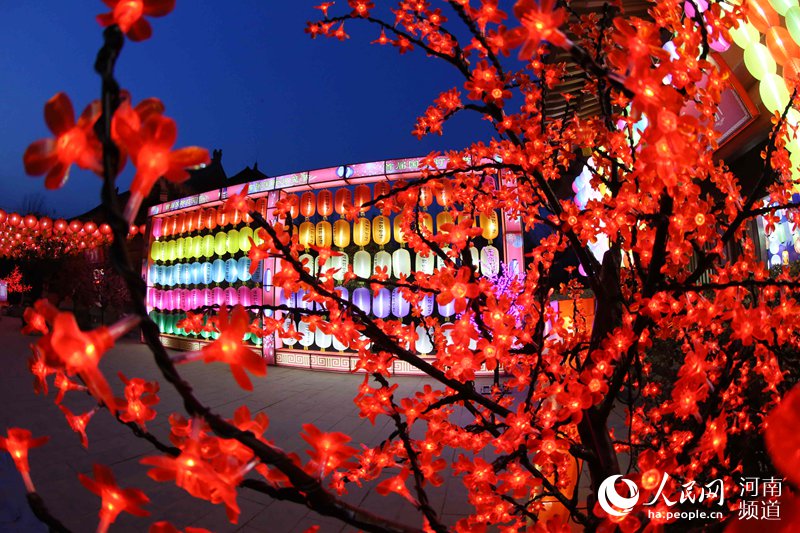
(241, 76)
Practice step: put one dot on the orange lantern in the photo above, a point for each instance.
(425, 197)
(324, 233)
(425, 219)
(399, 235)
(443, 218)
(325, 203)
(306, 234)
(308, 204)
(344, 199)
(173, 225)
(781, 45)
(210, 215)
(261, 206)
(361, 231)
(762, 16)
(444, 193)
(382, 188)
(363, 195)
(381, 230)
(181, 223)
(341, 233)
(294, 205)
(236, 217)
(222, 217)
(490, 226)
(191, 220)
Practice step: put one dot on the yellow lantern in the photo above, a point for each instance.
(782, 6)
(306, 235)
(793, 23)
(208, 245)
(171, 251)
(179, 251)
(232, 242)
(341, 233)
(245, 234)
(443, 218)
(425, 219)
(774, 94)
(197, 247)
(745, 35)
(361, 231)
(759, 61)
(155, 251)
(324, 233)
(381, 230)
(399, 236)
(220, 243)
(490, 226)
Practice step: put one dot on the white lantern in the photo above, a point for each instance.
(383, 260)
(426, 305)
(401, 262)
(308, 264)
(423, 344)
(340, 263)
(447, 310)
(322, 340)
(424, 263)
(308, 337)
(490, 261)
(400, 306)
(362, 300)
(440, 263)
(475, 256)
(382, 303)
(362, 264)
(288, 325)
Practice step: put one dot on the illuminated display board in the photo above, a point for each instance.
(197, 257)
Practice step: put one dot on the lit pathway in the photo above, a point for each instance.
(289, 397)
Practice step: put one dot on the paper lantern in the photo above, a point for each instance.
(423, 344)
(308, 336)
(362, 196)
(362, 299)
(320, 267)
(339, 263)
(342, 200)
(774, 94)
(382, 260)
(245, 234)
(155, 251)
(759, 61)
(159, 299)
(152, 274)
(210, 216)
(256, 296)
(308, 263)
(424, 263)
(258, 273)
(781, 45)
(782, 6)
(180, 223)
(220, 243)
(217, 296)
(289, 300)
(322, 340)
(186, 273)
(443, 218)
(400, 306)
(196, 276)
(762, 15)
(426, 305)
(60, 225)
(490, 261)
(208, 245)
(293, 202)
(362, 264)
(197, 244)
(447, 310)
(475, 257)
(232, 242)
(401, 263)
(382, 303)
(399, 236)
(361, 231)
(243, 268)
(341, 233)
(426, 221)
(231, 297)
(444, 193)
(382, 188)
(189, 222)
(440, 262)
(325, 203)
(381, 230)
(490, 226)
(425, 196)
(308, 204)
(288, 325)
(218, 271)
(179, 251)
(307, 234)
(171, 254)
(302, 302)
(231, 270)
(324, 234)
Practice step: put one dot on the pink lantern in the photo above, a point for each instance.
(256, 296)
(231, 297)
(244, 296)
(218, 296)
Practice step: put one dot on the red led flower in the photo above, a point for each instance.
(78, 423)
(37, 317)
(150, 149)
(18, 442)
(114, 499)
(192, 323)
(457, 288)
(64, 385)
(140, 396)
(329, 450)
(396, 484)
(239, 202)
(74, 142)
(228, 347)
(166, 527)
(38, 367)
(129, 16)
(541, 23)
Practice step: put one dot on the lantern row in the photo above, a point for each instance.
(218, 271)
(207, 219)
(207, 246)
(168, 325)
(195, 299)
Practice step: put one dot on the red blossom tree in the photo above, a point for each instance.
(690, 341)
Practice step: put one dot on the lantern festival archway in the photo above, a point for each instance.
(197, 257)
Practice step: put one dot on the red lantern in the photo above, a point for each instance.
(363, 195)
(261, 206)
(105, 229)
(60, 225)
(75, 226)
(30, 221)
(90, 227)
(222, 217)
(425, 197)
(191, 221)
(781, 45)
(45, 223)
(142, 228)
(14, 220)
(307, 204)
(294, 205)
(181, 223)
(444, 194)
(3, 216)
(211, 218)
(170, 226)
(344, 199)
(325, 203)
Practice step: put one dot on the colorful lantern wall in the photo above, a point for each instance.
(198, 256)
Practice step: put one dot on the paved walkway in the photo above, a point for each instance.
(290, 398)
